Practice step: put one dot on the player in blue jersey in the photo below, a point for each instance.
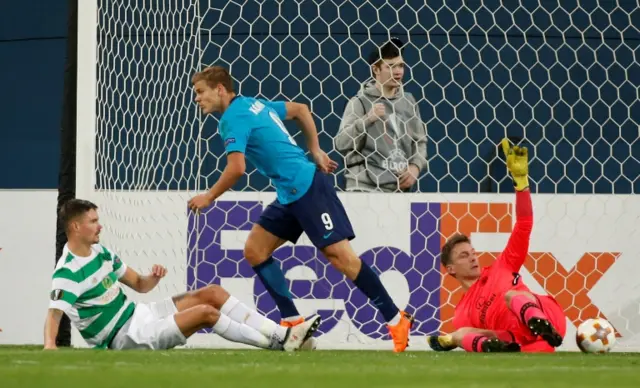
(306, 198)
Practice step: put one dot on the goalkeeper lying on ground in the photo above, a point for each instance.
(86, 286)
(498, 312)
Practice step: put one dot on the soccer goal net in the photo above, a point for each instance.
(561, 77)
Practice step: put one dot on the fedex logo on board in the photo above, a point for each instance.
(431, 297)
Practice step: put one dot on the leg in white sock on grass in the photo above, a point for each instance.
(239, 312)
(237, 332)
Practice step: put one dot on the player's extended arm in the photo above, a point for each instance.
(302, 115)
(517, 247)
(51, 327)
(236, 166)
(143, 283)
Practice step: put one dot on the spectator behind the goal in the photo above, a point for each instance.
(381, 135)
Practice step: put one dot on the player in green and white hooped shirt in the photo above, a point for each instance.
(86, 286)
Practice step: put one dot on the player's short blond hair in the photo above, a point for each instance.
(445, 254)
(213, 76)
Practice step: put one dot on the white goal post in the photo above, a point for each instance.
(562, 78)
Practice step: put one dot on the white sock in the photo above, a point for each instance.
(237, 332)
(395, 320)
(240, 313)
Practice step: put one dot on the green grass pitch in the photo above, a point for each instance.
(31, 367)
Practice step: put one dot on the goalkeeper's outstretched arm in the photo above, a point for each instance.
(517, 248)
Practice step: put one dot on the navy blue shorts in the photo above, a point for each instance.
(319, 213)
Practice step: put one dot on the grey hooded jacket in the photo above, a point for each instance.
(377, 153)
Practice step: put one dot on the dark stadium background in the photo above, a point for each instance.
(596, 152)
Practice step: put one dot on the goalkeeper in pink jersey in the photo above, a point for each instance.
(498, 312)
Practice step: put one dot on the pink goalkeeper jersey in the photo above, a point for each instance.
(483, 305)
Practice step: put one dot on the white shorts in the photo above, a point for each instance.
(152, 326)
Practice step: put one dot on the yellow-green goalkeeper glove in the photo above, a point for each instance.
(517, 163)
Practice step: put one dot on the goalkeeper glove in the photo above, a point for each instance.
(517, 164)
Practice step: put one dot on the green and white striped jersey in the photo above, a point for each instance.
(88, 291)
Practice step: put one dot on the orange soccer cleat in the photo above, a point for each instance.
(400, 332)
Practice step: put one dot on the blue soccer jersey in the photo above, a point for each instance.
(254, 127)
